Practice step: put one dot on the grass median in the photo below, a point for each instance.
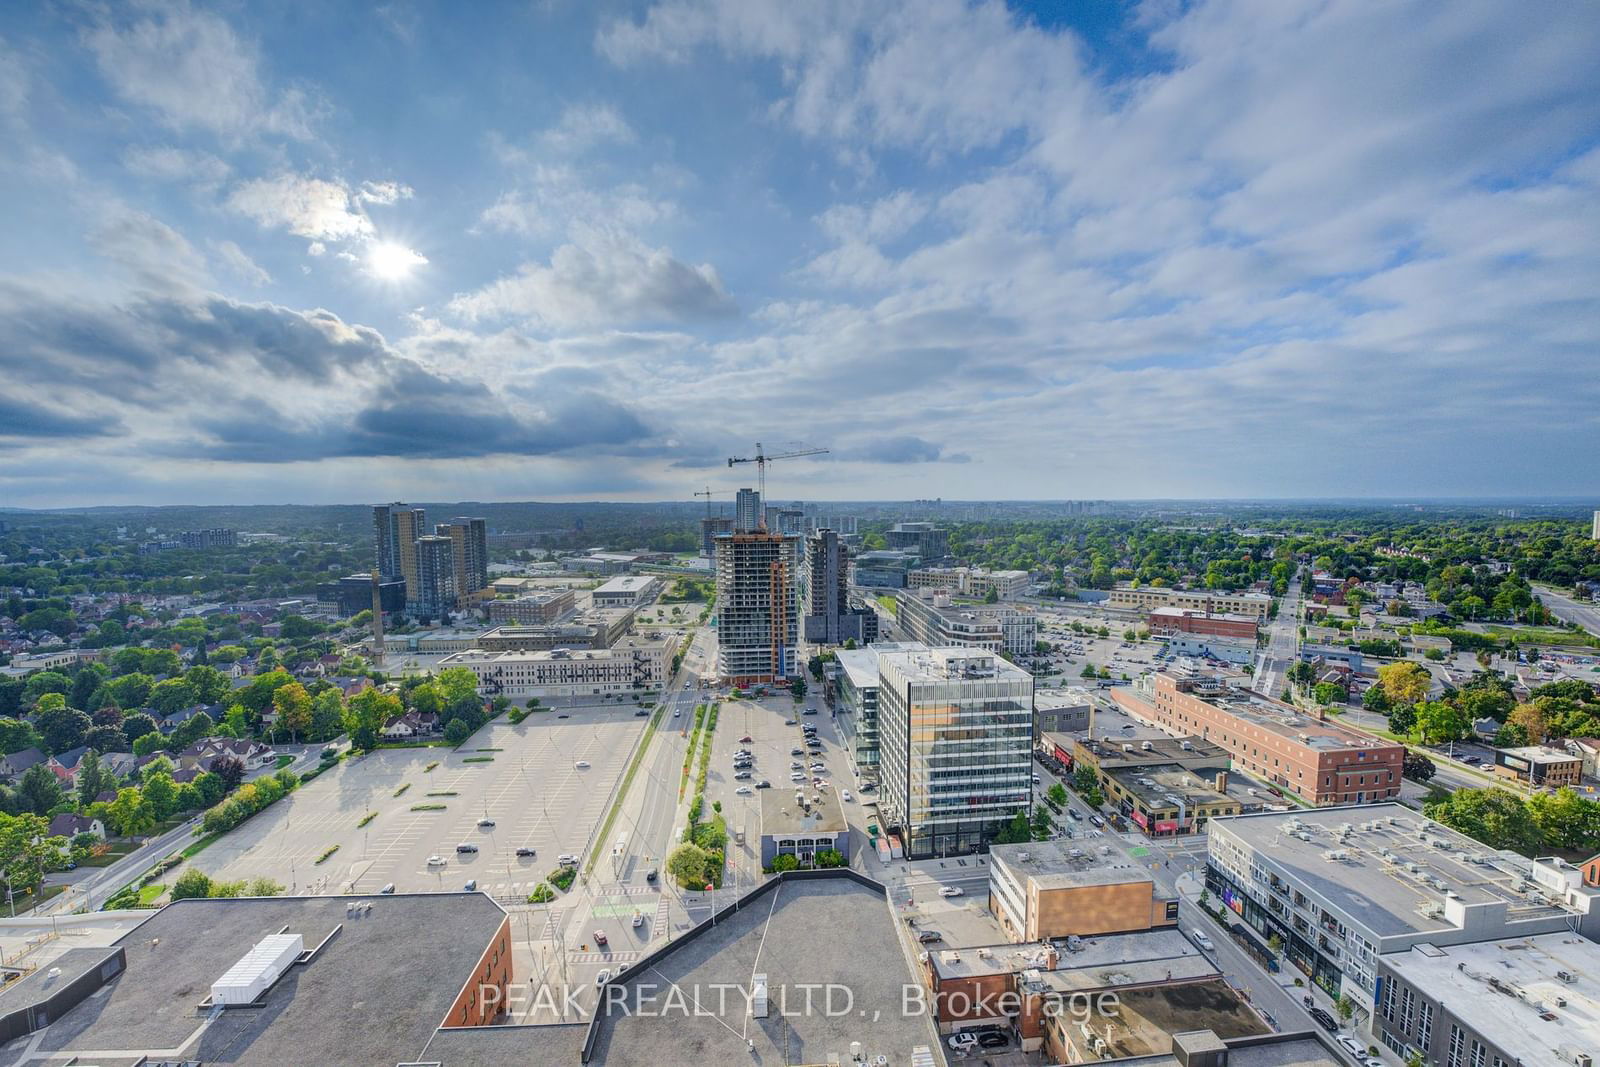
(627, 782)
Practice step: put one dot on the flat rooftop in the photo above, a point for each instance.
(1509, 1014)
(627, 583)
(1163, 749)
(1097, 962)
(1155, 783)
(1373, 883)
(1278, 1050)
(777, 934)
(860, 665)
(1173, 611)
(1063, 865)
(781, 815)
(1275, 716)
(953, 665)
(1539, 754)
(1146, 1018)
(373, 994)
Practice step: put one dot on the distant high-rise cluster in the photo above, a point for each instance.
(442, 570)
(747, 511)
(1595, 533)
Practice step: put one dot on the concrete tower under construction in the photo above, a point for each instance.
(757, 608)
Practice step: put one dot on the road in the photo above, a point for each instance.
(1583, 612)
(1282, 642)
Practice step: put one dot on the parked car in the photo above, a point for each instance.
(581, 765)
(993, 1039)
(928, 937)
(797, 776)
(951, 891)
(741, 776)
(436, 861)
(486, 823)
(797, 752)
(1074, 815)
(471, 886)
(746, 739)
(602, 978)
(1202, 940)
(1096, 820)
(845, 796)
(809, 711)
(1324, 1020)
(387, 890)
(599, 937)
(526, 851)
(764, 784)
(638, 919)
(466, 846)
(641, 713)
(651, 875)
(743, 791)
(963, 1041)
(566, 859)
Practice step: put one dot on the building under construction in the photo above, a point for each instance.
(757, 608)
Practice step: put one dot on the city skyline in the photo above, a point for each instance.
(1215, 250)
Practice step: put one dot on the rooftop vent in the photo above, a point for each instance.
(254, 974)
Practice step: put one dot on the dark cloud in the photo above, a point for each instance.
(903, 448)
(19, 418)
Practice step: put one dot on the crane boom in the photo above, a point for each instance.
(761, 459)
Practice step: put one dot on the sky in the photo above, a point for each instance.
(309, 252)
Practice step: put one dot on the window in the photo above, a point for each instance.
(1452, 1056)
(1425, 1025)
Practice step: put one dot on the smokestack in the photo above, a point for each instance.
(377, 620)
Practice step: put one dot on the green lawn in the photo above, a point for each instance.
(1543, 635)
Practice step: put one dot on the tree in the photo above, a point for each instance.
(1495, 817)
(1438, 720)
(172, 695)
(327, 715)
(1345, 1006)
(1566, 820)
(62, 728)
(1329, 693)
(190, 731)
(293, 705)
(130, 813)
(1375, 699)
(106, 739)
(108, 714)
(687, 864)
(264, 887)
(798, 688)
(40, 789)
(367, 713)
(784, 862)
(151, 742)
(229, 771)
(190, 884)
(44, 682)
(1084, 778)
(1058, 795)
(1417, 767)
(457, 731)
(90, 677)
(91, 778)
(130, 690)
(27, 851)
(16, 735)
(137, 725)
(1530, 719)
(161, 794)
(1402, 717)
(210, 788)
(1404, 683)
(258, 694)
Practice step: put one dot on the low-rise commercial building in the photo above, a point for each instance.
(1061, 711)
(1203, 646)
(1168, 786)
(1532, 1000)
(1175, 620)
(1341, 887)
(931, 618)
(531, 609)
(971, 581)
(1054, 889)
(1148, 598)
(626, 591)
(633, 664)
(882, 569)
(1539, 765)
(800, 823)
(1323, 763)
(596, 628)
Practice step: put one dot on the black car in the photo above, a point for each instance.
(650, 875)
(993, 1039)
(763, 784)
(809, 711)
(797, 752)
(641, 713)
(525, 851)
(1324, 1020)
(927, 937)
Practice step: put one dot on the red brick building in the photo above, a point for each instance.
(1171, 620)
(1321, 762)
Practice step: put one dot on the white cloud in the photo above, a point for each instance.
(550, 200)
(583, 126)
(602, 278)
(166, 163)
(307, 207)
(383, 192)
(241, 265)
(190, 68)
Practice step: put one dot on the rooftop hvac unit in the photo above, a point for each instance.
(1566, 976)
(1302, 835)
(254, 974)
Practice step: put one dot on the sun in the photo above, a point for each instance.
(393, 262)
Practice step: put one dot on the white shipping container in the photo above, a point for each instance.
(260, 967)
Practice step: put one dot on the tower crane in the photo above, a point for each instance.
(709, 492)
(761, 459)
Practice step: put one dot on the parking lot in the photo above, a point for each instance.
(543, 783)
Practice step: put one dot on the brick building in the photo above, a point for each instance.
(1323, 763)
